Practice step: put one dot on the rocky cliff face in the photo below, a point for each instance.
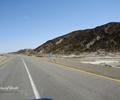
(105, 37)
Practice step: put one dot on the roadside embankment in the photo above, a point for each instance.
(4, 59)
(99, 69)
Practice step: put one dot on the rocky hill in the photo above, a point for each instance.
(26, 52)
(104, 38)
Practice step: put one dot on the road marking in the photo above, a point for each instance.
(36, 93)
(90, 73)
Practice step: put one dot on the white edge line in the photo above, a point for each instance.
(36, 93)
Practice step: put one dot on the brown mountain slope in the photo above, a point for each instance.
(25, 51)
(105, 37)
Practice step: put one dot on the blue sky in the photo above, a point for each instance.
(29, 23)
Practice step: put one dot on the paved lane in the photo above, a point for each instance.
(54, 82)
(14, 74)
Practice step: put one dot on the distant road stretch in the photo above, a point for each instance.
(26, 78)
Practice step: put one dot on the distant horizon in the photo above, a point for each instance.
(58, 36)
(30, 23)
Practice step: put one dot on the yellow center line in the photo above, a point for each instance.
(90, 73)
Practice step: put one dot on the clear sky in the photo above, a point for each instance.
(29, 23)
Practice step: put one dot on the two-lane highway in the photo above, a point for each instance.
(29, 77)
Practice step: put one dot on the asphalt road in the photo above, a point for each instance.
(26, 78)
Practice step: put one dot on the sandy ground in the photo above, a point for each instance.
(2, 58)
(108, 60)
(106, 65)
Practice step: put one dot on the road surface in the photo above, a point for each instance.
(26, 78)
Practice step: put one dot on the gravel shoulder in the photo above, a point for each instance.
(4, 59)
(109, 69)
